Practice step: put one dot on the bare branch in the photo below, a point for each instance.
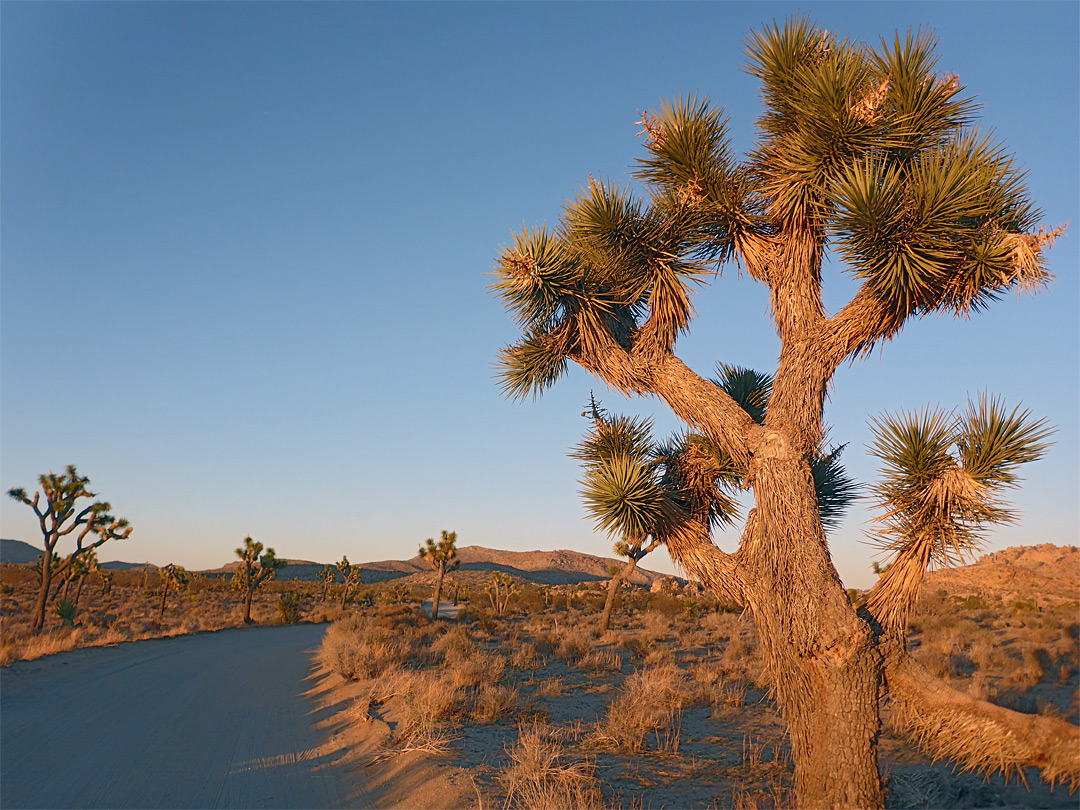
(976, 735)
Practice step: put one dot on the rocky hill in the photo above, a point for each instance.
(562, 567)
(1045, 574)
(18, 552)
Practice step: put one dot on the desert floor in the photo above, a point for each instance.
(521, 709)
(531, 711)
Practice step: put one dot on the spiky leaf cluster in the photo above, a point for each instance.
(942, 475)
(634, 487)
(442, 553)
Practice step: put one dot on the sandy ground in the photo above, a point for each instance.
(226, 719)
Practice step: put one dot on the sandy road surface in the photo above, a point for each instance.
(211, 720)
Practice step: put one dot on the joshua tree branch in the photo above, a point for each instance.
(975, 734)
(865, 320)
(690, 545)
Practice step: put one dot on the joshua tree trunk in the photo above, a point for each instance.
(345, 593)
(619, 578)
(78, 590)
(38, 620)
(438, 589)
(164, 596)
(247, 605)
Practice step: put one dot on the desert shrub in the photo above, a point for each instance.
(355, 647)
(546, 644)
(526, 657)
(666, 604)
(288, 607)
(973, 603)
(491, 701)
(574, 645)
(530, 600)
(637, 646)
(651, 701)
(540, 777)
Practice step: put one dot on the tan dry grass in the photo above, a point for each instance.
(541, 776)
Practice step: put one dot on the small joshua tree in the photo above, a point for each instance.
(441, 555)
(326, 576)
(106, 580)
(499, 591)
(633, 550)
(352, 574)
(171, 575)
(59, 517)
(255, 569)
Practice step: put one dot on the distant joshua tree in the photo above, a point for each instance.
(866, 155)
(441, 555)
(171, 575)
(353, 576)
(255, 569)
(326, 577)
(499, 591)
(61, 516)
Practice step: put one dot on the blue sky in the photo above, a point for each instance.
(245, 250)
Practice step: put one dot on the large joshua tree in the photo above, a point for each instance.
(867, 150)
(62, 515)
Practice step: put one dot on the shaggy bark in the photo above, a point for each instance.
(981, 736)
(438, 589)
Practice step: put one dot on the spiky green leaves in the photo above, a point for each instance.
(994, 443)
(941, 482)
(440, 553)
(942, 475)
(836, 490)
(635, 488)
(623, 495)
(751, 389)
(934, 231)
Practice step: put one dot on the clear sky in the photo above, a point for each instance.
(245, 250)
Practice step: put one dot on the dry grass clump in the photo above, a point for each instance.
(651, 701)
(551, 687)
(574, 645)
(479, 667)
(601, 661)
(541, 777)
(526, 657)
(425, 702)
(456, 645)
(491, 701)
(359, 647)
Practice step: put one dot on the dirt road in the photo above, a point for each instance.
(211, 720)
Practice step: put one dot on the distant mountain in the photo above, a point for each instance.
(562, 567)
(18, 552)
(540, 567)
